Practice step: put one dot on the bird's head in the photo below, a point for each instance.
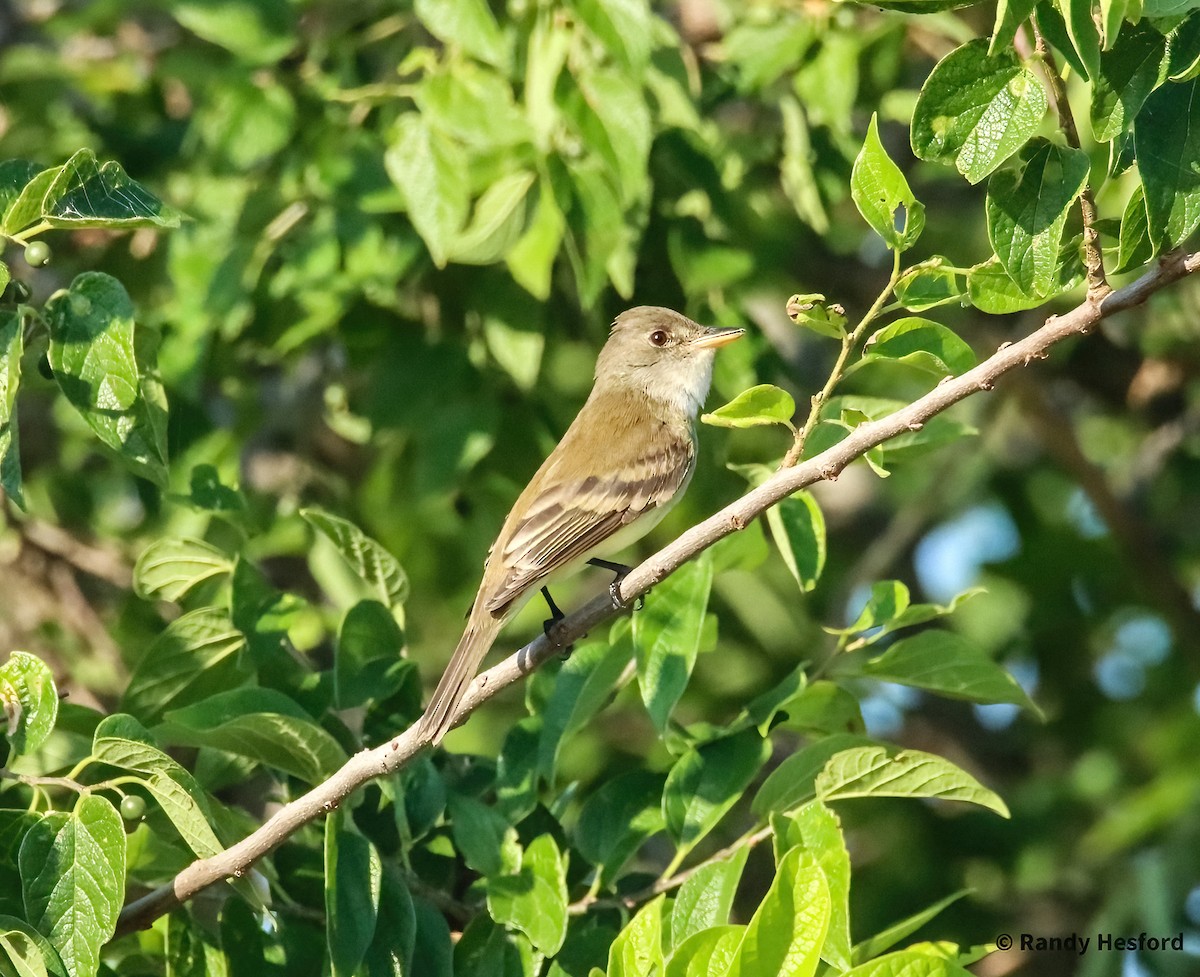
(664, 354)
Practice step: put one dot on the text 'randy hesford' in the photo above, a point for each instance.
(1081, 944)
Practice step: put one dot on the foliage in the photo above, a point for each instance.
(394, 239)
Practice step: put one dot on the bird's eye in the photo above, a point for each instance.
(659, 337)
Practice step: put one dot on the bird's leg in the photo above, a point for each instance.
(556, 615)
(614, 588)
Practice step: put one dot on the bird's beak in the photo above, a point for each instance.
(712, 337)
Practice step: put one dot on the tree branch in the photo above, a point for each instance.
(393, 755)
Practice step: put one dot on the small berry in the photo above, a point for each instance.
(37, 253)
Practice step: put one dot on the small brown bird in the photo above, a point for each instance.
(625, 460)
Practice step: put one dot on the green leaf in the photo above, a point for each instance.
(261, 724)
(910, 963)
(885, 613)
(432, 944)
(26, 208)
(787, 930)
(1128, 74)
(796, 169)
(169, 569)
(877, 944)
(763, 404)
(29, 701)
(637, 950)
(798, 528)
(991, 289)
(259, 33)
(1027, 212)
(880, 191)
(817, 830)
(391, 951)
(497, 223)
(928, 284)
(949, 664)
(209, 493)
(1134, 248)
(490, 950)
(516, 344)
(191, 951)
(625, 27)
(666, 636)
(487, 841)
(474, 104)
(586, 682)
(353, 880)
(975, 110)
(887, 601)
(430, 171)
(123, 742)
(709, 953)
(531, 258)
(367, 558)
(824, 707)
(793, 782)
(617, 818)
(615, 121)
(94, 356)
(1183, 49)
(469, 24)
(86, 194)
(1166, 134)
(545, 56)
(1083, 32)
(534, 900)
(517, 780)
(73, 880)
(707, 781)
(15, 175)
(924, 344)
(367, 654)
(1010, 15)
(12, 347)
(706, 898)
(877, 771)
(811, 311)
(24, 952)
(196, 656)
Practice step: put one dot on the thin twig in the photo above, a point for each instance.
(395, 754)
(849, 342)
(631, 901)
(30, 780)
(1093, 255)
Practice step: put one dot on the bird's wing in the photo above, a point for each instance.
(572, 516)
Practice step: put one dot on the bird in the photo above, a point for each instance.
(625, 460)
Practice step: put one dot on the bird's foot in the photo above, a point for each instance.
(551, 623)
(620, 571)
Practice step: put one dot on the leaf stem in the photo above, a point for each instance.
(23, 237)
(849, 341)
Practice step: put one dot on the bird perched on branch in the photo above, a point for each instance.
(625, 460)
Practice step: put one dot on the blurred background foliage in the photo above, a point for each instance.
(409, 229)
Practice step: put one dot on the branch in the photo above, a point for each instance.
(393, 755)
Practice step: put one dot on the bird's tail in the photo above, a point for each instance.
(478, 637)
